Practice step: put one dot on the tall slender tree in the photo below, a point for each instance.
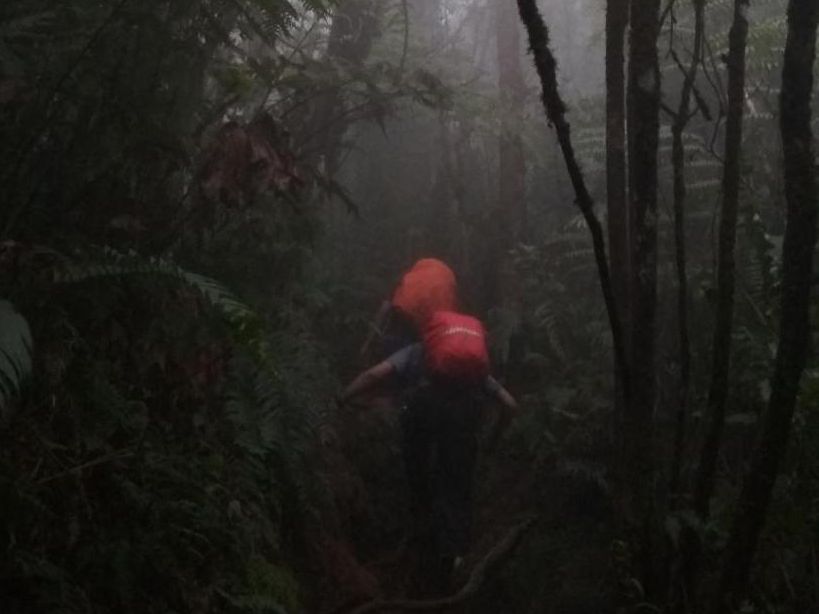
(512, 88)
(683, 587)
(802, 196)
(680, 121)
(616, 178)
(718, 390)
(510, 212)
(616, 174)
(643, 99)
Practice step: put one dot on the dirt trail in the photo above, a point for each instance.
(561, 565)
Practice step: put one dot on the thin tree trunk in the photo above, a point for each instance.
(683, 586)
(512, 171)
(616, 178)
(718, 390)
(794, 328)
(459, 240)
(443, 214)
(678, 163)
(556, 112)
(643, 99)
(352, 33)
(451, 193)
(511, 207)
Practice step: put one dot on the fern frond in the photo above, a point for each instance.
(547, 318)
(587, 471)
(125, 265)
(15, 351)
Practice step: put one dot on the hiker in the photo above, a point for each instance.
(428, 286)
(448, 376)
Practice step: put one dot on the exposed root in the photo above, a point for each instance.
(496, 555)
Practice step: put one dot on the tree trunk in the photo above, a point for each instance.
(455, 153)
(510, 212)
(678, 164)
(616, 178)
(354, 28)
(683, 587)
(643, 140)
(718, 391)
(794, 327)
(512, 170)
(556, 113)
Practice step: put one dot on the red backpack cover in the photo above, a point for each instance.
(429, 286)
(455, 349)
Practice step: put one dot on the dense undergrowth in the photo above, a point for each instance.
(162, 459)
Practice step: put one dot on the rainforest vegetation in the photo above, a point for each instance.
(203, 203)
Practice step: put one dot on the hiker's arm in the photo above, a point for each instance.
(367, 381)
(507, 401)
(509, 409)
(377, 327)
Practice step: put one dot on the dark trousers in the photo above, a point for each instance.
(440, 450)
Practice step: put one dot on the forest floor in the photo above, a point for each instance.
(561, 514)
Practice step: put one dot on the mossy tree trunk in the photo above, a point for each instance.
(794, 327)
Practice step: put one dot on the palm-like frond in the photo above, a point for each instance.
(15, 351)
